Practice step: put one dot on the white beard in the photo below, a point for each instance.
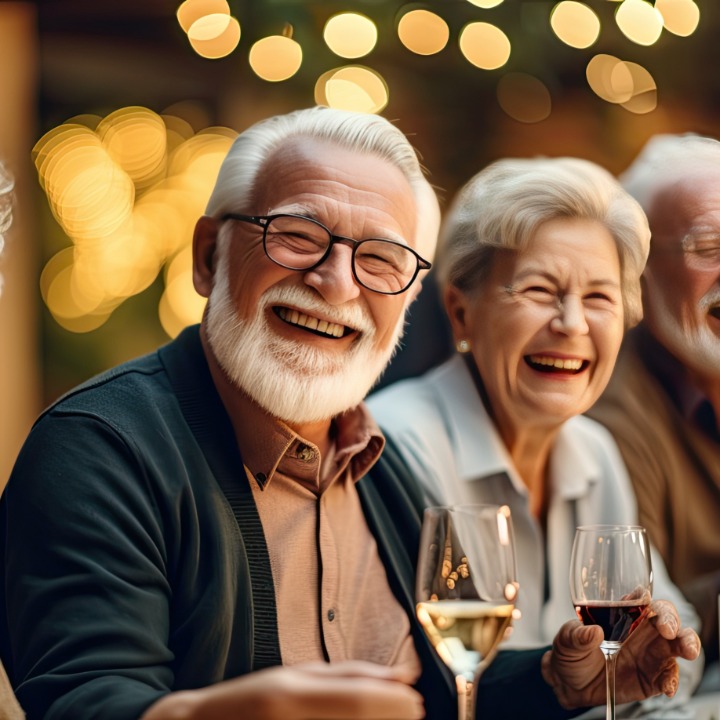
(293, 381)
(696, 347)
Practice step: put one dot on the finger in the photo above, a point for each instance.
(664, 618)
(577, 639)
(669, 679)
(687, 644)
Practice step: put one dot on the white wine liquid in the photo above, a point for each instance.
(465, 633)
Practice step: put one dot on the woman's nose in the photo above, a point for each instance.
(570, 318)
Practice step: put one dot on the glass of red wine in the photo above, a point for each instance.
(466, 588)
(611, 586)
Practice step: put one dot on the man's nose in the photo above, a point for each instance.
(570, 318)
(334, 278)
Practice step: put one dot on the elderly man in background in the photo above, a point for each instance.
(217, 530)
(663, 402)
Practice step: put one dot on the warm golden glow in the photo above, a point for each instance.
(134, 138)
(214, 36)
(123, 226)
(639, 21)
(192, 10)
(423, 32)
(275, 58)
(609, 79)
(644, 90)
(625, 83)
(484, 45)
(680, 17)
(180, 305)
(353, 87)
(350, 35)
(524, 97)
(575, 24)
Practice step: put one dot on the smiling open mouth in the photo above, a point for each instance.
(311, 324)
(549, 364)
(715, 311)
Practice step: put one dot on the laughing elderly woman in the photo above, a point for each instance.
(539, 264)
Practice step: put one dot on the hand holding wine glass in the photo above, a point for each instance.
(466, 588)
(611, 586)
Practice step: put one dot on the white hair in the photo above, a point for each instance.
(361, 132)
(503, 206)
(665, 159)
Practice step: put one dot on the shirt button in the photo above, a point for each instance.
(331, 615)
(304, 453)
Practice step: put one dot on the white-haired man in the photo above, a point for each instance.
(215, 530)
(663, 403)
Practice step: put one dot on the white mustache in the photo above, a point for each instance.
(710, 300)
(352, 315)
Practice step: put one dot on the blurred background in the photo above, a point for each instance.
(114, 117)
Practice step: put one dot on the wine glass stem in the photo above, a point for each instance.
(610, 657)
(466, 705)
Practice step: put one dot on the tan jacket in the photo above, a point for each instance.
(675, 469)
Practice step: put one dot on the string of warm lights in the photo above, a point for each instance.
(213, 32)
(127, 188)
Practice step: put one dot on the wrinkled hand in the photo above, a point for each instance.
(646, 665)
(353, 690)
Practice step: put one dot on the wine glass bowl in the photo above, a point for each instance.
(466, 588)
(611, 586)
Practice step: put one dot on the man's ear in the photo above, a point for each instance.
(204, 248)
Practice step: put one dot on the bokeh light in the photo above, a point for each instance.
(639, 21)
(575, 24)
(214, 36)
(484, 45)
(192, 10)
(127, 196)
(485, 4)
(423, 32)
(275, 58)
(350, 35)
(524, 97)
(680, 17)
(352, 87)
(624, 83)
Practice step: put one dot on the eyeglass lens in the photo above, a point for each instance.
(379, 265)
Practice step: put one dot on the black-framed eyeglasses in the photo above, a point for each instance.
(296, 242)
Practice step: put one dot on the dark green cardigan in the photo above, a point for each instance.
(128, 540)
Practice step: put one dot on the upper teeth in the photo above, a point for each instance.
(561, 363)
(297, 318)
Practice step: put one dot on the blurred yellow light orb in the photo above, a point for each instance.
(350, 35)
(275, 58)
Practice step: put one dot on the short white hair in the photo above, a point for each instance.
(503, 206)
(664, 160)
(361, 132)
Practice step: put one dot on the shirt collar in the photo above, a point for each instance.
(482, 453)
(268, 445)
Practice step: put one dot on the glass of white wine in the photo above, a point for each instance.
(611, 586)
(466, 589)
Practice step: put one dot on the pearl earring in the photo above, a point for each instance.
(462, 346)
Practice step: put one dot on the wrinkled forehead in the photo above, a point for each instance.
(686, 203)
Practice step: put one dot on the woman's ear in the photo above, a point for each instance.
(456, 306)
(204, 248)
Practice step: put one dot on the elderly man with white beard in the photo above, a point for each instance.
(219, 529)
(663, 402)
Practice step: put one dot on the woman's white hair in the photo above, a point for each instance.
(361, 132)
(503, 206)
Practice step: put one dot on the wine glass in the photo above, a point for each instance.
(611, 586)
(466, 589)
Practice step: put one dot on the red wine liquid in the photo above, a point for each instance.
(617, 620)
